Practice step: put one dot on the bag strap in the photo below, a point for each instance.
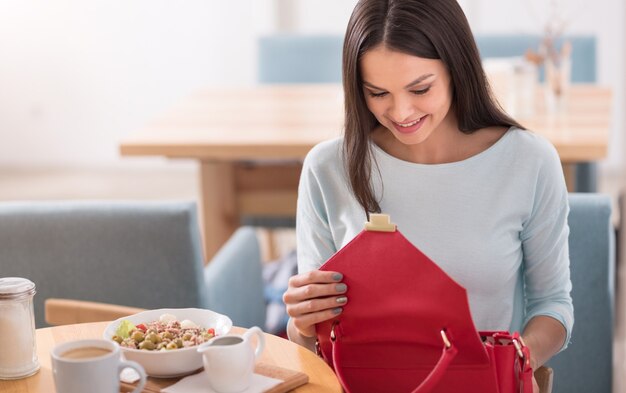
(525, 373)
(448, 354)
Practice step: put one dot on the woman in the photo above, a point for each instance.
(426, 143)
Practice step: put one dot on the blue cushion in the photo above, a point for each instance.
(235, 282)
(586, 365)
(131, 253)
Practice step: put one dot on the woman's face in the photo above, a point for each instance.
(409, 95)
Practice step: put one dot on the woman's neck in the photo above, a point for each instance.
(447, 144)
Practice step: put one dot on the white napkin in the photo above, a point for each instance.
(199, 383)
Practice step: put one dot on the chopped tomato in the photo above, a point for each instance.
(142, 327)
(211, 331)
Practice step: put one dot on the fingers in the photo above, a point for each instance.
(314, 277)
(305, 324)
(314, 297)
(313, 284)
(312, 291)
(317, 305)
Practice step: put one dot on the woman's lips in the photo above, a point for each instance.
(410, 127)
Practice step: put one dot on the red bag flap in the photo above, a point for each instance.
(398, 295)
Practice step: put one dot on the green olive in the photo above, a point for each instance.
(147, 344)
(154, 338)
(117, 339)
(137, 336)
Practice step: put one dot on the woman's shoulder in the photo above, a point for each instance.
(534, 153)
(528, 139)
(528, 143)
(325, 153)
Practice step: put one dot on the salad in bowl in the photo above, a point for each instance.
(164, 341)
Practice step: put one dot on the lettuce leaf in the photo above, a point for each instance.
(124, 329)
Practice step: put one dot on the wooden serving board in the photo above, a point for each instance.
(291, 380)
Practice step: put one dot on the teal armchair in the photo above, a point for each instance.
(587, 364)
(139, 254)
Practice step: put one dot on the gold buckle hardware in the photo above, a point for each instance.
(380, 223)
(332, 332)
(444, 337)
(518, 347)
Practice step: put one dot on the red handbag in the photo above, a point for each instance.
(408, 327)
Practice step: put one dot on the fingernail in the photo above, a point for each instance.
(337, 310)
(341, 287)
(337, 276)
(341, 299)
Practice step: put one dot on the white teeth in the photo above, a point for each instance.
(410, 124)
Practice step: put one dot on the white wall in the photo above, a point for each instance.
(322, 16)
(76, 76)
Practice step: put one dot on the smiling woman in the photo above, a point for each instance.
(378, 45)
(426, 143)
(412, 111)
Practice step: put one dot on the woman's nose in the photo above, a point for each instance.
(400, 110)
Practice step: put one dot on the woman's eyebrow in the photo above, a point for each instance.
(418, 80)
(415, 82)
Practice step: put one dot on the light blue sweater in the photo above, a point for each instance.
(495, 222)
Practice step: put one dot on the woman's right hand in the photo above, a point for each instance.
(314, 297)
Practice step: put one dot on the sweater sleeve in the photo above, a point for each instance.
(314, 239)
(546, 251)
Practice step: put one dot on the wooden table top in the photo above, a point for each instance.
(285, 121)
(278, 352)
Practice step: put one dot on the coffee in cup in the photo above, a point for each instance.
(91, 366)
(85, 353)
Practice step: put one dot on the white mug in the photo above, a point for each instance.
(229, 360)
(90, 366)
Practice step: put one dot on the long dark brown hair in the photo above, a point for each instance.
(432, 29)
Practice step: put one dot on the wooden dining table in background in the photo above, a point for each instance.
(250, 143)
(278, 352)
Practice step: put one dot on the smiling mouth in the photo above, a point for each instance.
(409, 124)
(409, 127)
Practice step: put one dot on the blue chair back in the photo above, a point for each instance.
(234, 280)
(587, 364)
(136, 254)
(293, 58)
(583, 51)
(297, 58)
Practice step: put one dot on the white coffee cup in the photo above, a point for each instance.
(90, 366)
(229, 360)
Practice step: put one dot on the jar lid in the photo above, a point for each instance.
(15, 287)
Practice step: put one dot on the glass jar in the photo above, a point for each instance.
(18, 353)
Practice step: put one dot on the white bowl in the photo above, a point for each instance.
(177, 362)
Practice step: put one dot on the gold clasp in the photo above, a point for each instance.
(518, 347)
(444, 337)
(332, 332)
(380, 223)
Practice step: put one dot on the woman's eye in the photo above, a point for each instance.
(377, 95)
(421, 91)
